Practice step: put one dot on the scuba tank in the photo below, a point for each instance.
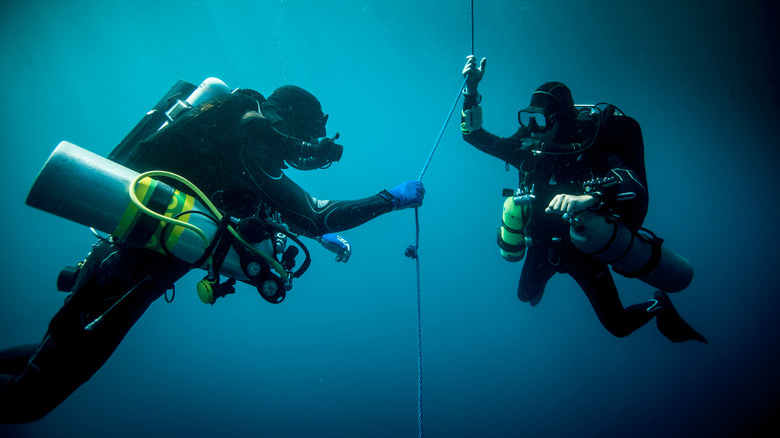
(167, 109)
(631, 254)
(207, 90)
(88, 189)
(516, 214)
(83, 187)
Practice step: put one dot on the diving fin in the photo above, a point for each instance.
(671, 324)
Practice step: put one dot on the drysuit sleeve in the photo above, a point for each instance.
(313, 216)
(507, 149)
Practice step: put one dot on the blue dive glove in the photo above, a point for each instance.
(337, 244)
(405, 195)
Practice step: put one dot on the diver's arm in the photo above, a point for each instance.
(314, 217)
(507, 149)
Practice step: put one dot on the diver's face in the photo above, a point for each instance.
(547, 134)
(315, 129)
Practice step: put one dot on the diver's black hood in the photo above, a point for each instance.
(297, 114)
(299, 110)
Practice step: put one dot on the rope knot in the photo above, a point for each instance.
(411, 251)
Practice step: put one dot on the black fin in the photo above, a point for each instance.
(671, 324)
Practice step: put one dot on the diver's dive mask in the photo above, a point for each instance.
(535, 120)
(549, 104)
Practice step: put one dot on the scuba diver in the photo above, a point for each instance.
(234, 147)
(580, 205)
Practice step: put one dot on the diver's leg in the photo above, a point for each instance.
(536, 272)
(73, 350)
(14, 360)
(596, 281)
(40, 386)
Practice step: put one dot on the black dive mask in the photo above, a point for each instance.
(535, 121)
(549, 104)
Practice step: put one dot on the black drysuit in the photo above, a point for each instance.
(616, 152)
(230, 153)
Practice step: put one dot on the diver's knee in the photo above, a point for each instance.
(19, 403)
(20, 413)
(619, 333)
(617, 330)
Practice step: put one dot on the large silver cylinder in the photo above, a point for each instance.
(91, 190)
(83, 187)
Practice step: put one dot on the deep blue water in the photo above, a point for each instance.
(338, 357)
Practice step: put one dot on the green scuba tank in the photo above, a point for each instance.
(511, 237)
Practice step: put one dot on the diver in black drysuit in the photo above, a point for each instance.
(234, 149)
(556, 159)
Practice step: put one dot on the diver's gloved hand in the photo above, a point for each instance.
(473, 73)
(405, 195)
(570, 204)
(337, 244)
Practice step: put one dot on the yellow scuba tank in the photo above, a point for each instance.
(631, 254)
(511, 238)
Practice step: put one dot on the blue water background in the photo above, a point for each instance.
(338, 357)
